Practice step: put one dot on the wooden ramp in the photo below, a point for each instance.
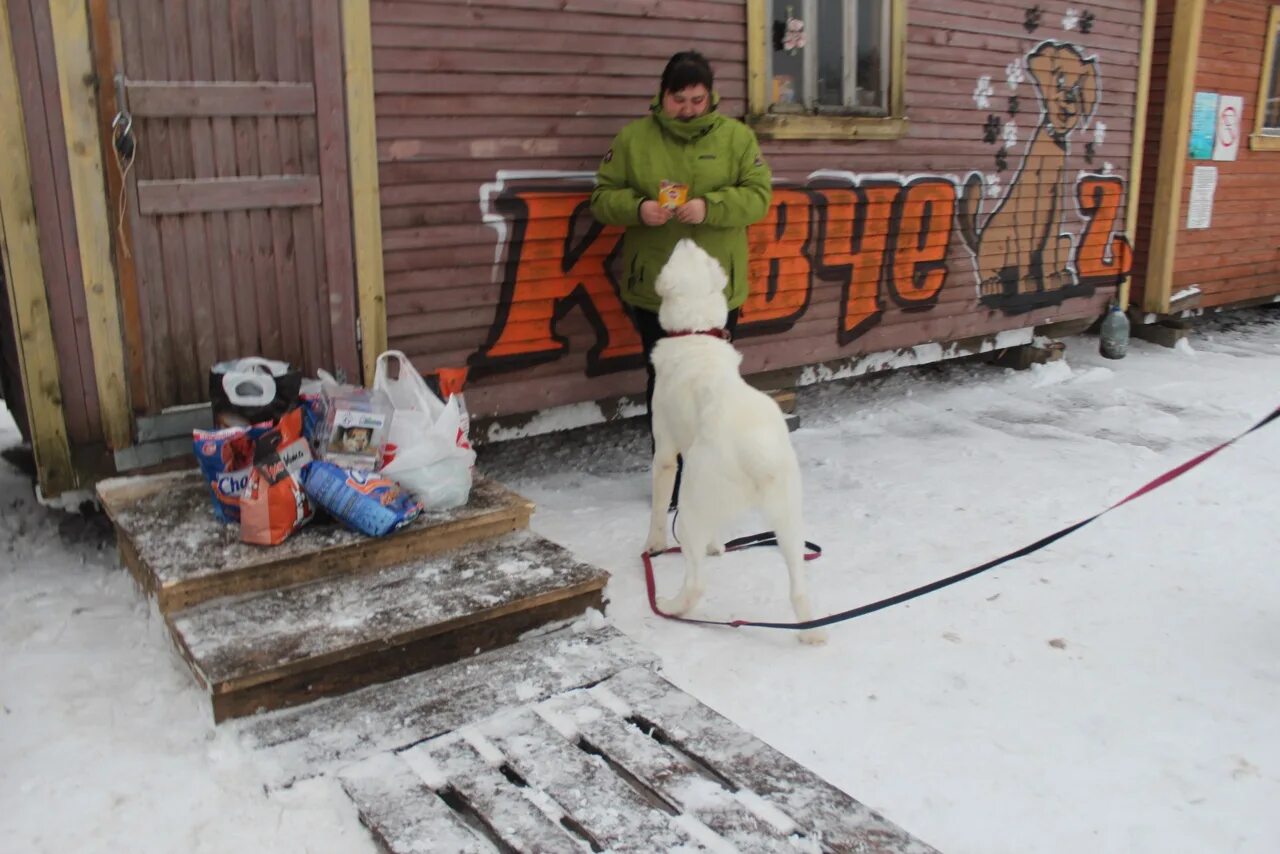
(565, 742)
(329, 610)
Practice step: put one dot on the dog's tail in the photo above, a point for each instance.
(968, 210)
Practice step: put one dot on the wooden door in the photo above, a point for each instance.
(238, 205)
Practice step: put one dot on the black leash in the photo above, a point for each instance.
(768, 538)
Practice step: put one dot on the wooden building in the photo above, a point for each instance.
(1209, 233)
(318, 180)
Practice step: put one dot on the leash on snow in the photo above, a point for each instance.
(768, 538)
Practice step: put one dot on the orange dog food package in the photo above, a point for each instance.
(273, 505)
(672, 195)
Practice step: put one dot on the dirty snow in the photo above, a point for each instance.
(1116, 692)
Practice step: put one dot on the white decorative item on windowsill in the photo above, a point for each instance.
(793, 37)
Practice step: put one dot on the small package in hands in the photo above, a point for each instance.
(363, 501)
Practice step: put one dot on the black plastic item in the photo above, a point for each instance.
(236, 391)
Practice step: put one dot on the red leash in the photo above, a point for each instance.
(768, 538)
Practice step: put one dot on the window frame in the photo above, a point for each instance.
(825, 124)
(1259, 140)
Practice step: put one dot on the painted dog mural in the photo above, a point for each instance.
(1021, 254)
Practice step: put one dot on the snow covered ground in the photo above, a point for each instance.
(1117, 692)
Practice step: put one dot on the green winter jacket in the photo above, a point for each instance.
(719, 159)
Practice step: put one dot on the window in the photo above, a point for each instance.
(1266, 122)
(827, 68)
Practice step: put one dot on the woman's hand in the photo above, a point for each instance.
(654, 214)
(692, 212)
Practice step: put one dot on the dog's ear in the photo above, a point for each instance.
(1088, 90)
(1040, 64)
(716, 278)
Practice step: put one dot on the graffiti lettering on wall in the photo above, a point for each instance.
(884, 242)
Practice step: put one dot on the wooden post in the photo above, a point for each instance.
(104, 59)
(366, 210)
(76, 80)
(1140, 103)
(28, 300)
(1175, 129)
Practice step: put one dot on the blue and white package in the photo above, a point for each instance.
(363, 501)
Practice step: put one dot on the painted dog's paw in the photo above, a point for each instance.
(656, 543)
(715, 549)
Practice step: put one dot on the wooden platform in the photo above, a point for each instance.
(180, 553)
(284, 647)
(566, 742)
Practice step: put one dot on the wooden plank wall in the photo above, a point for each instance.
(1238, 257)
(33, 48)
(464, 93)
(243, 268)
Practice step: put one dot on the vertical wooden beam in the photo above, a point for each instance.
(331, 127)
(757, 21)
(1184, 51)
(130, 306)
(366, 207)
(1140, 103)
(24, 275)
(76, 80)
(898, 52)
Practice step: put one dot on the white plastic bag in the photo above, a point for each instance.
(415, 406)
(428, 460)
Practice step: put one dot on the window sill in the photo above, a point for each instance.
(783, 126)
(1262, 142)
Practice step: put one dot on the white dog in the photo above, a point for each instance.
(733, 438)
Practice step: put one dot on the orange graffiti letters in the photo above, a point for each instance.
(557, 258)
(1101, 258)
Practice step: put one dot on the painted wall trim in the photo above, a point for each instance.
(1141, 100)
(76, 78)
(366, 210)
(28, 299)
(1175, 129)
(1258, 141)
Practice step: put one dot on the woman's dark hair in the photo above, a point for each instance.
(685, 69)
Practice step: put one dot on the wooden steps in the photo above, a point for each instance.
(182, 555)
(284, 647)
(563, 742)
(329, 610)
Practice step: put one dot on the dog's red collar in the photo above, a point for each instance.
(722, 334)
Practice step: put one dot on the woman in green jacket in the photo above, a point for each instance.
(684, 170)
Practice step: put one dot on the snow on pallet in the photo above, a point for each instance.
(629, 764)
(285, 647)
(180, 553)
(312, 740)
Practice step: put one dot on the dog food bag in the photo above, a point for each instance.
(226, 460)
(363, 501)
(273, 505)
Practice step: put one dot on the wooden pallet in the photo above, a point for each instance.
(180, 553)
(563, 742)
(284, 647)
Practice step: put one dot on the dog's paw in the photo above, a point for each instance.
(677, 605)
(715, 549)
(656, 543)
(814, 637)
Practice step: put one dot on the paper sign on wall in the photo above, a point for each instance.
(1226, 144)
(1204, 180)
(1204, 120)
